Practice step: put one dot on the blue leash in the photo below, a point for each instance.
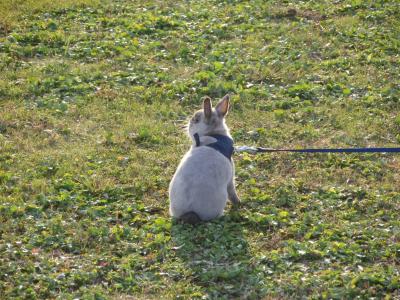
(254, 150)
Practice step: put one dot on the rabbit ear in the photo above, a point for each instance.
(223, 106)
(207, 107)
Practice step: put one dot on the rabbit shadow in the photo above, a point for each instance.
(218, 257)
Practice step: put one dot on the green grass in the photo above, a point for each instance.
(93, 95)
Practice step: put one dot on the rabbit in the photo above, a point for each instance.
(204, 179)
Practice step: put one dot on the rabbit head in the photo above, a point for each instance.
(210, 120)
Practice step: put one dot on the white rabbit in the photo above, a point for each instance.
(204, 179)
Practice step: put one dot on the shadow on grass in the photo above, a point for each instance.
(218, 257)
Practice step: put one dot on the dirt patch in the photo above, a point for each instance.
(4, 29)
(293, 13)
(312, 15)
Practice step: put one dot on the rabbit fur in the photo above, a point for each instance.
(204, 179)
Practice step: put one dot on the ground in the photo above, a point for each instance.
(93, 97)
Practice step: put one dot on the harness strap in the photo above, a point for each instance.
(223, 145)
(197, 139)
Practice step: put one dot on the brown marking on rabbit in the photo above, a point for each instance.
(204, 179)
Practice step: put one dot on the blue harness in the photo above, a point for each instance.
(223, 145)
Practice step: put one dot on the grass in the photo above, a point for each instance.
(13, 12)
(93, 95)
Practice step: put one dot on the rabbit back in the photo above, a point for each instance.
(200, 184)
